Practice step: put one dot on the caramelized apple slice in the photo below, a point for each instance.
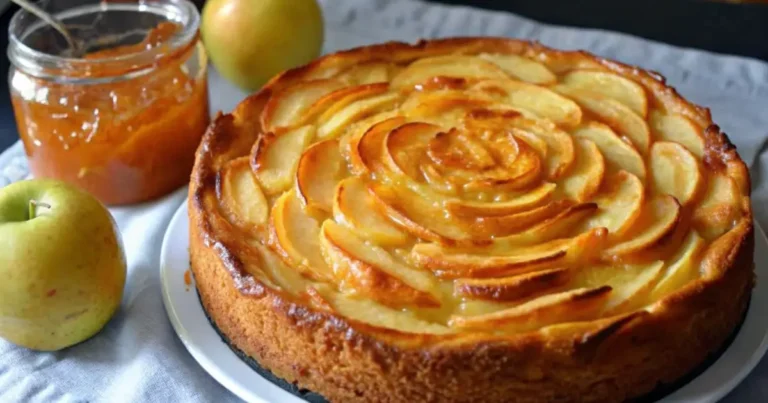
(370, 269)
(353, 207)
(678, 128)
(522, 67)
(405, 146)
(683, 268)
(541, 101)
(283, 276)
(367, 73)
(365, 152)
(631, 284)
(330, 104)
(320, 169)
(587, 173)
(512, 288)
(486, 227)
(376, 314)
(516, 203)
(719, 207)
(459, 66)
(675, 171)
(620, 205)
(659, 220)
(634, 293)
(416, 215)
(568, 306)
(294, 235)
(509, 175)
(445, 108)
(447, 263)
(241, 196)
(536, 142)
(560, 149)
(617, 152)
(610, 85)
(274, 158)
(331, 126)
(559, 226)
(286, 108)
(616, 115)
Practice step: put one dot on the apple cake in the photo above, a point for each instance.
(471, 219)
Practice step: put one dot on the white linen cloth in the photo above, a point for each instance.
(138, 358)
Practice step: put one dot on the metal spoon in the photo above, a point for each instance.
(53, 22)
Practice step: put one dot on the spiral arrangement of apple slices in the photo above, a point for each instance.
(481, 192)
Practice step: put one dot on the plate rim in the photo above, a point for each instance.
(213, 363)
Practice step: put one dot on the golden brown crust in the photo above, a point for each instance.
(610, 359)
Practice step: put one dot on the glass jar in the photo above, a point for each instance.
(122, 120)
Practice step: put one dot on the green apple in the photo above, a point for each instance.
(62, 265)
(249, 41)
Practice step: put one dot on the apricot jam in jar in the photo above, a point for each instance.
(122, 117)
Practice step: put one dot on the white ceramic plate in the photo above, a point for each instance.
(214, 355)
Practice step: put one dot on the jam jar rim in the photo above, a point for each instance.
(44, 65)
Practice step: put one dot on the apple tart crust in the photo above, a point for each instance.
(471, 219)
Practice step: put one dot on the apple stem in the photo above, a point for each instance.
(33, 205)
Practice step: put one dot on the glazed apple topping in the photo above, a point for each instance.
(481, 192)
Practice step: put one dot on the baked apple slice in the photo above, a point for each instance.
(405, 146)
(353, 207)
(522, 68)
(284, 277)
(541, 101)
(568, 306)
(617, 152)
(683, 268)
(373, 271)
(332, 125)
(675, 171)
(515, 203)
(330, 104)
(512, 288)
(586, 175)
(376, 314)
(365, 152)
(657, 222)
(634, 293)
(487, 227)
(286, 108)
(631, 284)
(459, 66)
(294, 235)
(449, 263)
(241, 196)
(367, 73)
(615, 114)
(610, 85)
(418, 216)
(620, 205)
(559, 226)
(320, 168)
(560, 148)
(719, 207)
(534, 141)
(677, 128)
(274, 157)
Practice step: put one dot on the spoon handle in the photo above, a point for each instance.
(52, 21)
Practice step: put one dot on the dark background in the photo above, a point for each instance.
(719, 26)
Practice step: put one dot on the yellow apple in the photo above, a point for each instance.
(249, 41)
(62, 265)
